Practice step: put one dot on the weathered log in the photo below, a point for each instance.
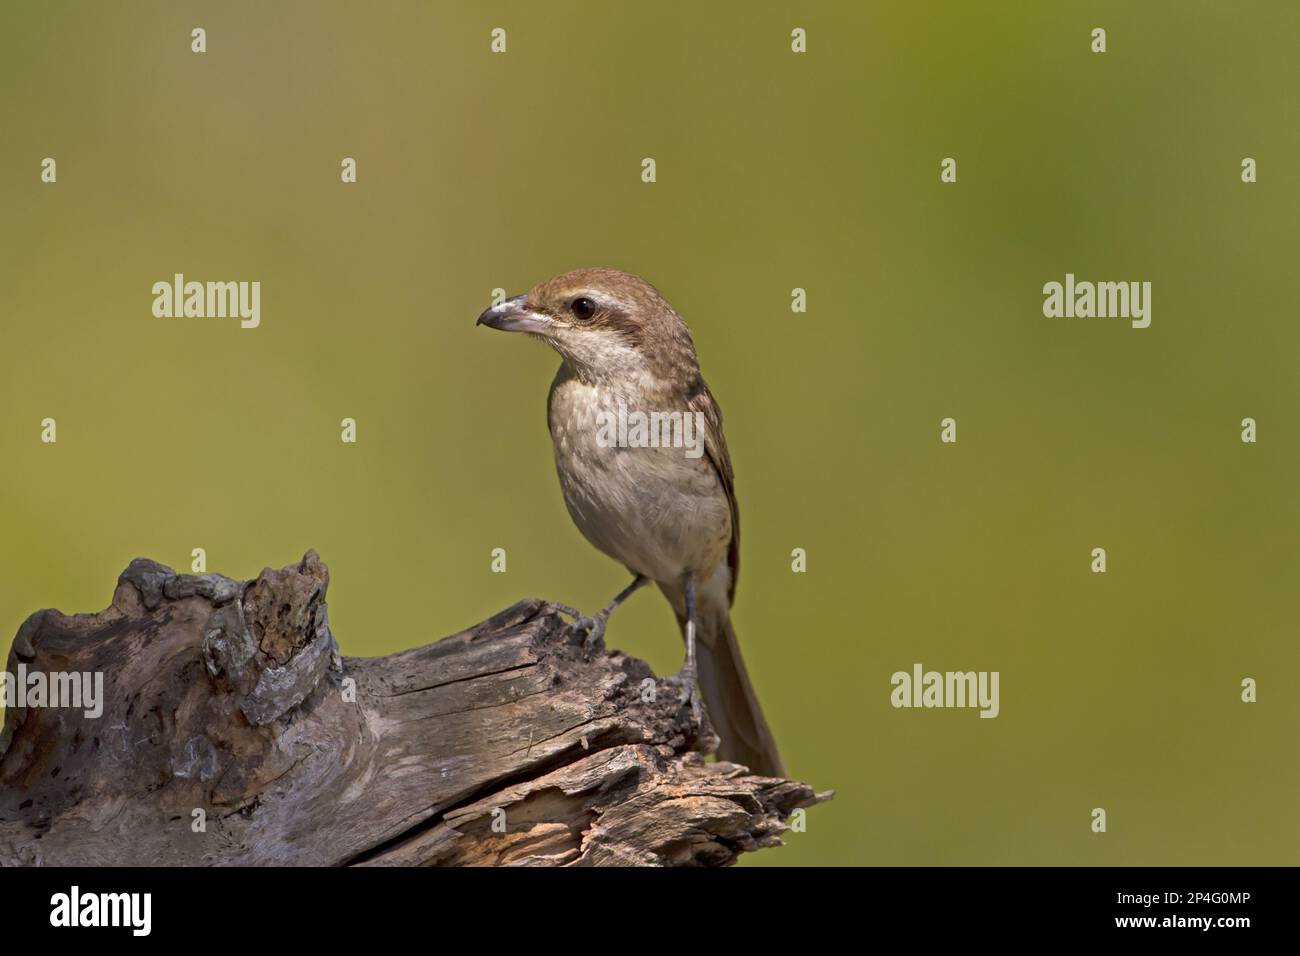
(233, 732)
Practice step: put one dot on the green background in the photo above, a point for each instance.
(775, 170)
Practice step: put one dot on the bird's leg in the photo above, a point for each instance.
(597, 629)
(638, 582)
(686, 677)
(595, 626)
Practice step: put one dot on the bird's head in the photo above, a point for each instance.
(606, 325)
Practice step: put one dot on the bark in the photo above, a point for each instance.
(233, 732)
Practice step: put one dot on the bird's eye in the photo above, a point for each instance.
(583, 308)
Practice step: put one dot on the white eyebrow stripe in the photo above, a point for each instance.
(604, 300)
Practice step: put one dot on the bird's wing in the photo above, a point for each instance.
(715, 447)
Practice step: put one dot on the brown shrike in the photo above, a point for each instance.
(665, 509)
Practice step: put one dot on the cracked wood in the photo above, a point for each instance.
(505, 744)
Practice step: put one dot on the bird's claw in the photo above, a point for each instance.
(688, 691)
(595, 628)
(592, 628)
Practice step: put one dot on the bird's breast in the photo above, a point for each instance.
(659, 508)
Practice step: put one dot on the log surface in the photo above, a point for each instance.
(232, 732)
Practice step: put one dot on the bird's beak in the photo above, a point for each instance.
(513, 315)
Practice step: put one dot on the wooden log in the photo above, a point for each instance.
(233, 732)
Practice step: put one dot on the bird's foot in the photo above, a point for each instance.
(592, 628)
(688, 690)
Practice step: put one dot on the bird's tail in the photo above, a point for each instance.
(729, 697)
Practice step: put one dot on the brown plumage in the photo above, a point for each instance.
(667, 516)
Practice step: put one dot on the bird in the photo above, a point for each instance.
(665, 510)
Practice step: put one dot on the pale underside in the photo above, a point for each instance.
(658, 511)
